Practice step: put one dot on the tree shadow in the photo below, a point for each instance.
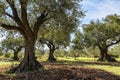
(82, 63)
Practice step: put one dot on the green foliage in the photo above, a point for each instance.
(78, 41)
(102, 33)
(105, 32)
(12, 42)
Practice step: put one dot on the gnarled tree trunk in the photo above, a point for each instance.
(29, 62)
(105, 56)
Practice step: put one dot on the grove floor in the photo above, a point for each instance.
(61, 71)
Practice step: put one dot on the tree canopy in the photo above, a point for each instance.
(28, 16)
(103, 34)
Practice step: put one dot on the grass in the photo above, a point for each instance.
(3, 64)
(83, 61)
(115, 69)
(112, 69)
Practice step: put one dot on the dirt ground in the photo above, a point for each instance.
(58, 71)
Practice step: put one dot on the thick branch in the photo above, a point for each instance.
(41, 19)
(15, 16)
(113, 43)
(48, 43)
(9, 15)
(24, 12)
(10, 27)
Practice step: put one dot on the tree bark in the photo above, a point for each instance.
(51, 57)
(104, 56)
(29, 62)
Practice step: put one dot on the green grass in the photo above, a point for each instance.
(2, 64)
(83, 61)
(112, 69)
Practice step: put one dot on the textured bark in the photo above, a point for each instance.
(29, 62)
(102, 54)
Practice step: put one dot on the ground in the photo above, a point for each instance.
(61, 71)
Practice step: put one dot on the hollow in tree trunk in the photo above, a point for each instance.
(51, 57)
(29, 63)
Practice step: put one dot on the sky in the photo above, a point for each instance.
(98, 9)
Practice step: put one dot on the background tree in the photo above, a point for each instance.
(57, 37)
(103, 34)
(13, 43)
(29, 15)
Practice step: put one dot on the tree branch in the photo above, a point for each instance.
(48, 43)
(23, 4)
(9, 15)
(113, 43)
(15, 16)
(10, 27)
(41, 19)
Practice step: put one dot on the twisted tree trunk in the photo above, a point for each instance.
(105, 56)
(29, 63)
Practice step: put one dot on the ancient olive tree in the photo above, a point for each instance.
(57, 35)
(103, 34)
(28, 16)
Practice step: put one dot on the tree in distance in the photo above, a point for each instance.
(103, 34)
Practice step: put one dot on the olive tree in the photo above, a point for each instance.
(103, 34)
(28, 16)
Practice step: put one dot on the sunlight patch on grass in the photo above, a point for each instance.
(83, 59)
(5, 64)
(112, 69)
(8, 64)
(118, 59)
